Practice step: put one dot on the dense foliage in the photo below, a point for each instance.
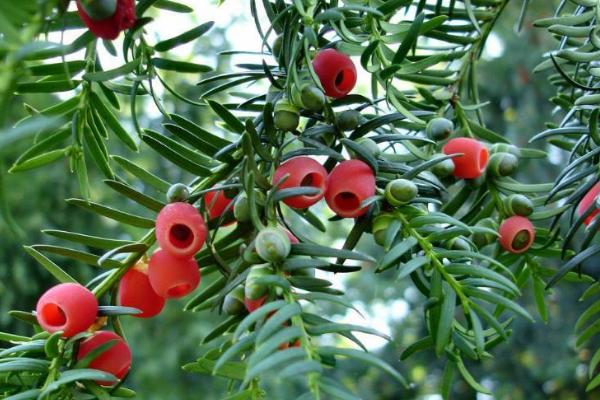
(459, 232)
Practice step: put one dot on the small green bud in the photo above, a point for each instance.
(277, 46)
(233, 304)
(312, 98)
(400, 191)
(178, 192)
(370, 145)
(348, 120)
(439, 128)
(502, 164)
(505, 148)
(241, 207)
(518, 204)
(252, 289)
(443, 169)
(380, 226)
(482, 239)
(272, 244)
(287, 116)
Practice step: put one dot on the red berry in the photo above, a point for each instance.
(473, 160)
(67, 307)
(115, 360)
(109, 28)
(336, 72)
(180, 229)
(588, 201)
(516, 234)
(216, 203)
(303, 171)
(136, 291)
(348, 185)
(172, 277)
(252, 305)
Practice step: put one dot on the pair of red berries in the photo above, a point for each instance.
(72, 309)
(345, 188)
(107, 18)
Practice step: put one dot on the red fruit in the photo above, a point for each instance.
(67, 307)
(136, 291)
(172, 277)
(516, 234)
(336, 72)
(252, 305)
(180, 229)
(303, 171)
(115, 360)
(109, 28)
(348, 185)
(216, 203)
(588, 201)
(473, 160)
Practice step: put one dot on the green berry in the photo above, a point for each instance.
(252, 288)
(482, 239)
(287, 116)
(400, 191)
(348, 120)
(277, 46)
(518, 204)
(272, 244)
(443, 169)
(233, 304)
(381, 224)
(502, 164)
(370, 146)
(439, 128)
(312, 98)
(178, 192)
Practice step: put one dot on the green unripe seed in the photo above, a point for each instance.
(458, 243)
(277, 46)
(348, 120)
(443, 169)
(178, 192)
(286, 117)
(518, 204)
(272, 244)
(439, 128)
(241, 207)
(99, 9)
(380, 226)
(503, 164)
(370, 145)
(521, 240)
(312, 98)
(252, 289)
(400, 191)
(505, 148)
(233, 304)
(482, 239)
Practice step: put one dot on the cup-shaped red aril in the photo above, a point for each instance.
(115, 360)
(589, 201)
(471, 164)
(348, 185)
(302, 172)
(252, 305)
(109, 28)
(180, 229)
(67, 307)
(136, 291)
(216, 203)
(516, 234)
(172, 277)
(336, 72)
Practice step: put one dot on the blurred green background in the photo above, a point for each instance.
(539, 362)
